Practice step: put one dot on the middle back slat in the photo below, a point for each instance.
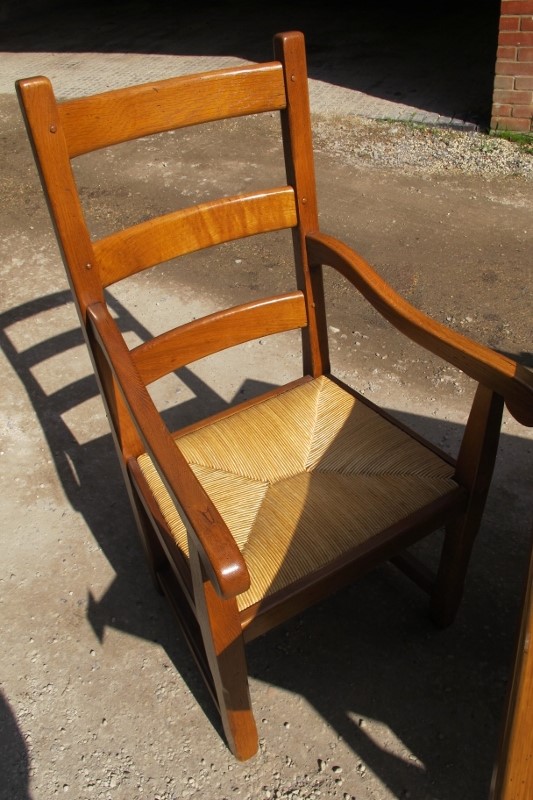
(193, 228)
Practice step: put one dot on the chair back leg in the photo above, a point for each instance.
(475, 465)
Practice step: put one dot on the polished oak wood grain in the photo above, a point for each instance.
(513, 774)
(208, 335)
(191, 229)
(118, 116)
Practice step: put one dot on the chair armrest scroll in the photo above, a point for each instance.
(218, 550)
(499, 373)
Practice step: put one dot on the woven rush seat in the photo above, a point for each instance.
(302, 478)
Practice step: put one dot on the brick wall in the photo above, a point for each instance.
(512, 107)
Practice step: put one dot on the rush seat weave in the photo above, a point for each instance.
(302, 478)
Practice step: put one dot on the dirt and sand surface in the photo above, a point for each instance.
(360, 697)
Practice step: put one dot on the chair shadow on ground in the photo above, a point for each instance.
(416, 54)
(434, 692)
(14, 764)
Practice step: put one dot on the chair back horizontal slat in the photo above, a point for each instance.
(101, 120)
(211, 334)
(193, 228)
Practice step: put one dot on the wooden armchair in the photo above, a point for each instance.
(254, 513)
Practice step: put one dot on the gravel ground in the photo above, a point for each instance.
(417, 149)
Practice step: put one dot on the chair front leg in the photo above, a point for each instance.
(224, 647)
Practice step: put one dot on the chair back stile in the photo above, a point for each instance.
(296, 126)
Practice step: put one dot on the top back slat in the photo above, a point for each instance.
(90, 123)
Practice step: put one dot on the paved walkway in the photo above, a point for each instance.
(436, 67)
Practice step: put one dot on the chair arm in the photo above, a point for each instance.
(499, 373)
(218, 550)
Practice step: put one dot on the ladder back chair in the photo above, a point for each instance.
(255, 513)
